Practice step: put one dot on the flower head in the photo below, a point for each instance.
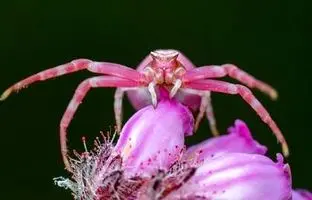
(238, 140)
(239, 176)
(301, 195)
(150, 161)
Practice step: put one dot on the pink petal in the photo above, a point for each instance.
(238, 140)
(301, 195)
(239, 176)
(153, 138)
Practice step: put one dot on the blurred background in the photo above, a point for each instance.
(269, 39)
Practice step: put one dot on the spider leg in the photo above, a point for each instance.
(119, 94)
(246, 94)
(74, 66)
(81, 91)
(206, 108)
(232, 71)
(152, 90)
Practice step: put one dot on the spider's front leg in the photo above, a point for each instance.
(246, 94)
(233, 72)
(74, 66)
(81, 91)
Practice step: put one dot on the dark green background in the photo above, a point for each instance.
(269, 39)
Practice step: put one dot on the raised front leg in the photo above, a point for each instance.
(74, 66)
(246, 94)
(81, 91)
(232, 71)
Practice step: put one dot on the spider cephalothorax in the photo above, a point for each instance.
(169, 69)
(164, 67)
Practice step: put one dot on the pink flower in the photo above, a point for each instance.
(238, 176)
(238, 140)
(301, 195)
(150, 161)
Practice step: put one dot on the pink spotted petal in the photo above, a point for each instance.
(153, 138)
(238, 140)
(239, 176)
(301, 195)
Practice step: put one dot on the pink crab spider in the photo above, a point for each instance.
(167, 68)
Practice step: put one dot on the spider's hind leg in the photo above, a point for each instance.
(206, 108)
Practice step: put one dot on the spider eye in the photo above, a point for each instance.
(168, 54)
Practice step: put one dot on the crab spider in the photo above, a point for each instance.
(166, 68)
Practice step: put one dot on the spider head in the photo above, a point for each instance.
(164, 59)
(164, 64)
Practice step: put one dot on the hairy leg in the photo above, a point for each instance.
(74, 66)
(81, 91)
(232, 71)
(246, 94)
